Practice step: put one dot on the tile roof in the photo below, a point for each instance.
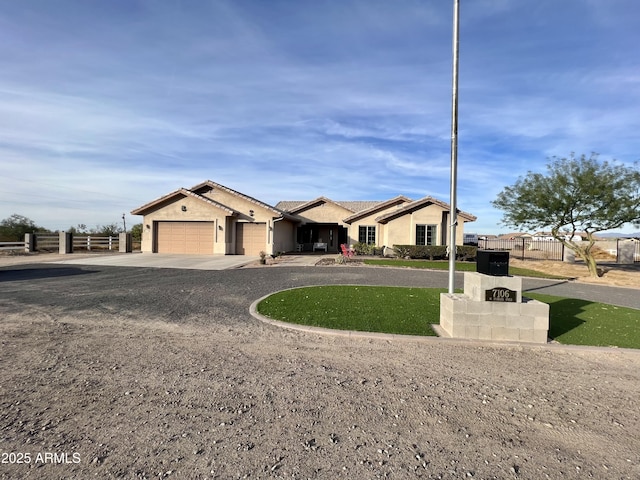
(359, 205)
(354, 206)
(400, 199)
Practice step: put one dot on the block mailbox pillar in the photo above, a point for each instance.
(492, 308)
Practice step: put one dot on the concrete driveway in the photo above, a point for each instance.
(161, 260)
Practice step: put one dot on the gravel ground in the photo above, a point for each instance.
(147, 373)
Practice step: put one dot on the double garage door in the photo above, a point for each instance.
(198, 237)
(186, 237)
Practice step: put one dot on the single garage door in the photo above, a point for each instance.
(250, 238)
(186, 237)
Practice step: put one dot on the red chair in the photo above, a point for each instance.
(346, 251)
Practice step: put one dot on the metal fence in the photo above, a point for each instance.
(525, 248)
(636, 256)
(532, 249)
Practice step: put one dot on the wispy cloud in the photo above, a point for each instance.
(107, 105)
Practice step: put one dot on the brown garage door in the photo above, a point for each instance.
(186, 237)
(250, 238)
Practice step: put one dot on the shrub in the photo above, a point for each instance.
(437, 252)
(417, 252)
(364, 249)
(402, 251)
(434, 252)
(466, 252)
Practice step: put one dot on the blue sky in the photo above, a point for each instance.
(106, 105)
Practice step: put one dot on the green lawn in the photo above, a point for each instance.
(411, 311)
(580, 322)
(408, 311)
(460, 267)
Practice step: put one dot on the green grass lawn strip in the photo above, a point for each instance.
(411, 311)
(460, 267)
(402, 310)
(581, 322)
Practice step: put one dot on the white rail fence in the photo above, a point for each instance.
(65, 242)
(95, 242)
(14, 246)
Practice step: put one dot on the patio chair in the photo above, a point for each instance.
(346, 251)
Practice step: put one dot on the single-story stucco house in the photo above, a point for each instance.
(210, 218)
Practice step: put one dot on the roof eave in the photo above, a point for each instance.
(416, 205)
(184, 193)
(315, 201)
(381, 206)
(255, 201)
(148, 206)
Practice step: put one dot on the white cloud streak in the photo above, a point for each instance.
(286, 100)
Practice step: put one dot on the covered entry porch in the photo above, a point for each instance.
(320, 237)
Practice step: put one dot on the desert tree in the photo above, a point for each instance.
(14, 227)
(111, 229)
(80, 229)
(136, 232)
(576, 195)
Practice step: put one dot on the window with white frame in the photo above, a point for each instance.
(367, 234)
(426, 234)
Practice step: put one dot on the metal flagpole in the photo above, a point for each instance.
(453, 212)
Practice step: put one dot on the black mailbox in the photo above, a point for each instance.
(493, 262)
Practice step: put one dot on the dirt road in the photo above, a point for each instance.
(146, 373)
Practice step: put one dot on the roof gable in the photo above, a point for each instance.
(209, 185)
(180, 193)
(422, 203)
(301, 207)
(376, 207)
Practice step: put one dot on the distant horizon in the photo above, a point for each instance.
(468, 225)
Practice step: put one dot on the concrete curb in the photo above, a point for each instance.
(441, 338)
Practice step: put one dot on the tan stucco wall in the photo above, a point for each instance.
(281, 235)
(370, 220)
(242, 205)
(460, 232)
(197, 210)
(431, 215)
(402, 230)
(325, 213)
(284, 236)
(225, 225)
(398, 231)
(278, 235)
